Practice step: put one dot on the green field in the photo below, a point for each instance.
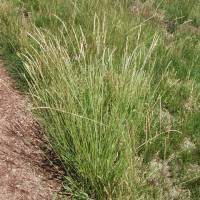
(115, 84)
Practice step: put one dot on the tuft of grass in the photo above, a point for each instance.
(116, 91)
(93, 109)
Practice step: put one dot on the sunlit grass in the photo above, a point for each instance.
(116, 91)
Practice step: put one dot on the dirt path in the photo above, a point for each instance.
(21, 174)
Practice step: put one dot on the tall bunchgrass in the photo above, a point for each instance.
(92, 107)
(95, 73)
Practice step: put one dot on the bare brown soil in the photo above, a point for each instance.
(22, 176)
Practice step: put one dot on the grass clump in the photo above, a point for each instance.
(116, 90)
(96, 107)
